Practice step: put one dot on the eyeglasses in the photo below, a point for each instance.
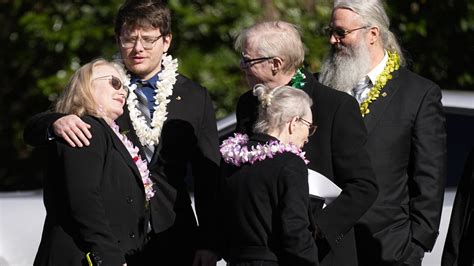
(339, 32)
(148, 42)
(311, 127)
(115, 82)
(247, 62)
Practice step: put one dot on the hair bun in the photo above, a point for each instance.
(264, 94)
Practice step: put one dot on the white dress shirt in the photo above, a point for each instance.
(372, 75)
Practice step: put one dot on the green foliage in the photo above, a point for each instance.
(43, 42)
(205, 32)
(438, 37)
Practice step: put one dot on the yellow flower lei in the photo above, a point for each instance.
(393, 64)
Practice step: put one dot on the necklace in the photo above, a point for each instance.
(141, 164)
(393, 64)
(297, 81)
(234, 150)
(150, 134)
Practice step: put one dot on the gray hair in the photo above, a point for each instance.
(278, 106)
(372, 13)
(275, 38)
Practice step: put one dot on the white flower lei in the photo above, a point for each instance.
(150, 135)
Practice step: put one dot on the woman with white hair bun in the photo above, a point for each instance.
(264, 193)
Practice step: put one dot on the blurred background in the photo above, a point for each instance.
(43, 42)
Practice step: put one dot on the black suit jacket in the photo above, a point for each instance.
(459, 245)
(188, 148)
(265, 210)
(95, 202)
(407, 145)
(336, 150)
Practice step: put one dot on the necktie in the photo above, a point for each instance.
(360, 88)
(143, 107)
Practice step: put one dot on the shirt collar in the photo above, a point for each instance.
(374, 73)
(152, 81)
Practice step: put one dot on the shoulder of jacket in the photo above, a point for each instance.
(323, 93)
(183, 82)
(289, 159)
(407, 75)
(97, 125)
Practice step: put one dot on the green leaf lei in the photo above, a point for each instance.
(393, 64)
(297, 81)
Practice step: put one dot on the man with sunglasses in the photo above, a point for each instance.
(406, 134)
(172, 120)
(273, 55)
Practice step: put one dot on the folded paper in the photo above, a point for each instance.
(321, 187)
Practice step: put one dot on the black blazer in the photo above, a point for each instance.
(188, 141)
(407, 145)
(95, 202)
(459, 245)
(337, 151)
(265, 210)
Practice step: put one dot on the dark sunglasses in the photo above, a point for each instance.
(115, 82)
(339, 32)
(311, 128)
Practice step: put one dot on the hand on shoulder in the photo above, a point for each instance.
(73, 130)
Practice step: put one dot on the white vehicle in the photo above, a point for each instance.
(22, 213)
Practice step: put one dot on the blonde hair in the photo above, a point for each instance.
(77, 97)
(278, 106)
(275, 38)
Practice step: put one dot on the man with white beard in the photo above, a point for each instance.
(346, 66)
(406, 134)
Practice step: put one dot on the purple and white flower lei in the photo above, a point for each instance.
(141, 164)
(234, 150)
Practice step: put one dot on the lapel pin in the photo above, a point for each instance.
(384, 94)
(178, 98)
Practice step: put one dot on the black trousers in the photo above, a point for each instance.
(173, 247)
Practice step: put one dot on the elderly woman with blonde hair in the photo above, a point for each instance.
(96, 197)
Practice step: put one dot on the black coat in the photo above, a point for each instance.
(407, 145)
(95, 202)
(265, 209)
(459, 245)
(337, 150)
(188, 150)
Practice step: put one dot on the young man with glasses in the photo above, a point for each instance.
(273, 54)
(406, 134)
(172, 120)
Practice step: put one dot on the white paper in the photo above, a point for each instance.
(320, 186)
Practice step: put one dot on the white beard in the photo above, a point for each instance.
(345, 67)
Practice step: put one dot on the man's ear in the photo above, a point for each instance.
(277, 64)
(374, 34)
(167, 42)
